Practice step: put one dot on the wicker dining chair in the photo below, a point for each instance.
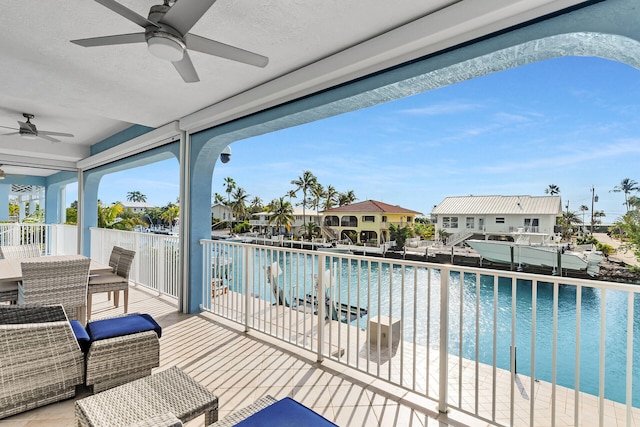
(116, 282)
(56, 282)
(20, 251)
(9, 291)
(113, 261)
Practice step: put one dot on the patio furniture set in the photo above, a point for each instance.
(45, 354)
(71, 280)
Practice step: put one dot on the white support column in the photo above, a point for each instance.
(80, 216)
(185, 224)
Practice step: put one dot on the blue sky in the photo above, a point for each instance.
(573, 122)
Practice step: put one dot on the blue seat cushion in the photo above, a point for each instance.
(286, 412)
(82, 336)
(119, 326)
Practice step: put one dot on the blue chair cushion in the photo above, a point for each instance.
(284, 413)
(119, 326)
(81, 335)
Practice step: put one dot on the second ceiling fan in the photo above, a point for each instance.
(166, 32)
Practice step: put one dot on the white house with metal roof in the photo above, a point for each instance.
(137, 207)
(464, 216)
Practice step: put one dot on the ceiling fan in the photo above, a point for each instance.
(166, 32)
(28, 130)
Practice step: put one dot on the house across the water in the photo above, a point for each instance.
(365, 222)
(463, 216)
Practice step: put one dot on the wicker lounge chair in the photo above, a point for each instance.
(40, 357)
(20, 251)
(116, 282)
(56, 282)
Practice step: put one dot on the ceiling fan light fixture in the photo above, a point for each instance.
(27, 135)
(164, 46)
(2, 174)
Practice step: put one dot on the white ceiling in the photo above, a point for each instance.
(96, 92)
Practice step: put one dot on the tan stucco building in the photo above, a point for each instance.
(367, 221)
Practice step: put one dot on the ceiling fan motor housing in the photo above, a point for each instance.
(163, 41)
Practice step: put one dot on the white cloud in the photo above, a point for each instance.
(445, 108)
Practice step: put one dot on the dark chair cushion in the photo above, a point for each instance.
(81, 335)
(119, 326)
(286, 412)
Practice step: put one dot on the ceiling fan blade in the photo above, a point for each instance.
(48, 138)
(7, 127)
(185, 13)
(46, 132)
(127, 13)
(10, 133)
(212, 47)
(111, 40)
(186, 69)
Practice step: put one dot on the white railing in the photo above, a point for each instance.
(157, 260)
(54, 239)
(467, 338)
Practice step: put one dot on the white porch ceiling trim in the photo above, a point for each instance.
(53, 164)
(449, 26)
(152, 139)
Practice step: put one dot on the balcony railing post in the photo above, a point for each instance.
(163, 263)
(322, 262)
(248, 279)
(444, 341)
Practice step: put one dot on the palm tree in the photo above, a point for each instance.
(597, 217)
(626, 186)
(567, 221)
(305, 182)
(256, 205)
(238, 206)
(136, 196)
(318, 193)
(282, 213)
(634, 202)
(346, 198)
(291, 194)
(552, 189)
(330, 197)
(583, 208)
(217, 198)
(170, 214)
(229, 185)
(108, 214)
(311, 229)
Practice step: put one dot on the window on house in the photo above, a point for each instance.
(470, 223)
(450, 222)
(532, 224)
(384, 218)
(409, 219)
(368, 218)
(500, 220)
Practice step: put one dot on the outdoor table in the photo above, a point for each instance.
(11, 270)
(168, 391)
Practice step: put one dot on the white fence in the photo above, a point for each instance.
(157, 260)
(506, 347)
(54, 239)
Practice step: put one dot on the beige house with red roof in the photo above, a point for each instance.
(365, 222)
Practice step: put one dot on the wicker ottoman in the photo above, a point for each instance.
(167, 391)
